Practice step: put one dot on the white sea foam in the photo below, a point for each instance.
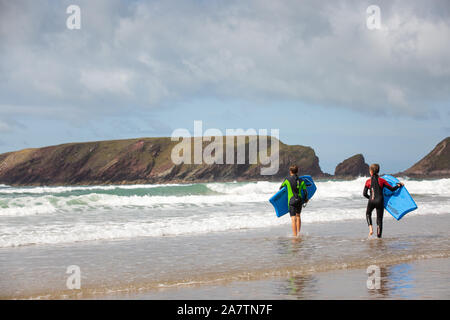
(439, 187)
(25, 235)
(260, 187)
(325, 189)
(29, 210)
(199, 223)
(335, 189)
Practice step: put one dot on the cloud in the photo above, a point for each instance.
(106, 80)
(150, 54)
(4, 127)
(9, 125)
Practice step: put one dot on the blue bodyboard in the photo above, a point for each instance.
(280, 199)
(399, 202)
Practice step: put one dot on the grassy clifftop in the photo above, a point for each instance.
(143, 160)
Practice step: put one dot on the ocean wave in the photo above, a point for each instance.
(330, 194)
(114, 212)
(67, 189)
(51, 204)
(325, 189)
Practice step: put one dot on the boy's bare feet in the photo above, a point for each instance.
(370, 231)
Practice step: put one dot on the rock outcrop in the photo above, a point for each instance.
(146, 160)
(436, 164)
(352, 167)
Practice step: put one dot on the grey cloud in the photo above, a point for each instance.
(151, 54)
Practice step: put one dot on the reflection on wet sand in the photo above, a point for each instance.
(288, 246)
(382, 291)
(302, 287)
(395, 281)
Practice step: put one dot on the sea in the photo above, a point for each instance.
(206, 240)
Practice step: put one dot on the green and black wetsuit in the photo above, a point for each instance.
(297, 193)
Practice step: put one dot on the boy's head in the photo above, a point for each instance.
(374, 169)
(293, 169)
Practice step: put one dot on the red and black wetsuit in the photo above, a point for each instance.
(376, 200)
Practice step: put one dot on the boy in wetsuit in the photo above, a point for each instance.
(376, 199)
(295, 186)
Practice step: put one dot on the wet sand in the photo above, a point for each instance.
(424, 279)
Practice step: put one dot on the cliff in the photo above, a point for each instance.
(436, 164)
(354, 166)
(145, 160)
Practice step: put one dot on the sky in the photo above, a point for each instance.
(312, 69)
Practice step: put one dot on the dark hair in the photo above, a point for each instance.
(375, 168)
(293, 169)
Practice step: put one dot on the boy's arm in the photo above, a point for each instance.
(283, 184)
(303, 186)
(366, 190)
(387, 185)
